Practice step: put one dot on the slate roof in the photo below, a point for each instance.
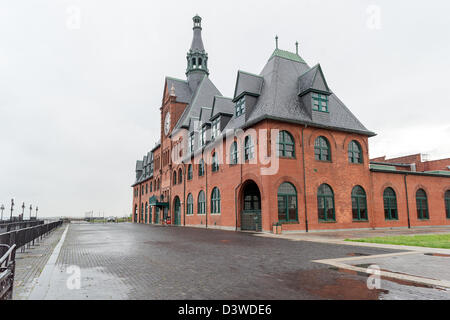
(249, 83)
(222, 105)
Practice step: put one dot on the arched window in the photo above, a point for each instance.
(286, 147)
(355, 152)
(201, 168)
(175, 177)
(190, 173)
(447, 204)
(146, 212)
(200, 63)
(193, 62)
(325, 203)
(142, 212)
(390, 204)
(359, 204)
(234, 153)
(215, 201)
(215, 163)
(249, 148)
(322, 149)
(190, 204)
(287, 203)
(180, 175)
(201, 206)
(422, 205)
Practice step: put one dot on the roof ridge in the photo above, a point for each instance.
(251, 74)
(176, 79)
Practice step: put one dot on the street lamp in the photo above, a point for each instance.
(2, 208)
(12, 207)
(23, 209)
(31, 208)
(36, 212)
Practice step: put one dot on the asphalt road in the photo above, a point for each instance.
(129, 261)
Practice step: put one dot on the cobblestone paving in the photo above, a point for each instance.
(128, 261)
(29, 264)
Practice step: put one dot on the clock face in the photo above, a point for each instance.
(167, 123)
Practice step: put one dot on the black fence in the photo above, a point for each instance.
(12, 240)
(10, 226)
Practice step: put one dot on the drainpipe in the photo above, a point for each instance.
(206, 195)
(235, 194)
(407, 201)
(304, 178)
(184, 196)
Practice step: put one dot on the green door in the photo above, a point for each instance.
(156, 215)
(177, 212)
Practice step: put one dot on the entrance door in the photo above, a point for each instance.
(156, 215)
(251, 214)
(177, 212)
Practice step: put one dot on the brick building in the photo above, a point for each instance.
(284, 150)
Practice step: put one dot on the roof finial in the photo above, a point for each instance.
(276, 41)
(296, 47)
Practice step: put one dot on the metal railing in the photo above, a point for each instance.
(7, 270)
(9, 226)
(12, 240)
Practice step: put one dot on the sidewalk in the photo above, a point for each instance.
(29, 264)
(414, 266)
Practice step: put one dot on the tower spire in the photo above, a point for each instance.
(197, 58)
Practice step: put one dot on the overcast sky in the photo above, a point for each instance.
(81, 82)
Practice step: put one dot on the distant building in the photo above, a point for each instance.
(283, 150)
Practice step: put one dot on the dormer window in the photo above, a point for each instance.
(203, 136)
(240, 107)
(191, 143)
(320, 102)
(215, 128)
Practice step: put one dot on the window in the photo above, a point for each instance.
(180, 176)
(447, 204)
(287, 203)
(390, 204)
(203, 135)
(190, 173)
(325, 204)
(215, 163)
(234, 153)
(249, 148)
(142, 190)
(422, 205)
(175, 178)
(240, 107)
(322, 149)
(146, 188)
(320, 102)
(191, 143)
(201, 168)
(146, 212)
(215, 128)
(190, 204)
(201, 207)
(215, 201)
(359, 204)
(151, 186)
(285, 144)
(354, 152)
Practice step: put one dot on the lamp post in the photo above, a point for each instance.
(23, 209)
(12, 207)
(2, 208)
(31, 208)
(36, 212)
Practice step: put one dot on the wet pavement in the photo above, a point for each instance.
(129, 261)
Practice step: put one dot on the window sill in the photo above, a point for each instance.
(323, 161)
(360, 221)
(287, 158)
(215, 214)
(325, 221)
(391, 220)
(289, 222)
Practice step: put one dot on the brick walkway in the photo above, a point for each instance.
(128, 261)
(29, 264)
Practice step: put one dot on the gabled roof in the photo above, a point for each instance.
(313, 79)
(182, 90)
(248, 83)
(205, 114)
(203, 97)
(222, 105)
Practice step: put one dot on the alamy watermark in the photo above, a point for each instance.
(73, 282)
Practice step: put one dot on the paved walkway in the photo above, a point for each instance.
(129, 261)
(29, 264)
